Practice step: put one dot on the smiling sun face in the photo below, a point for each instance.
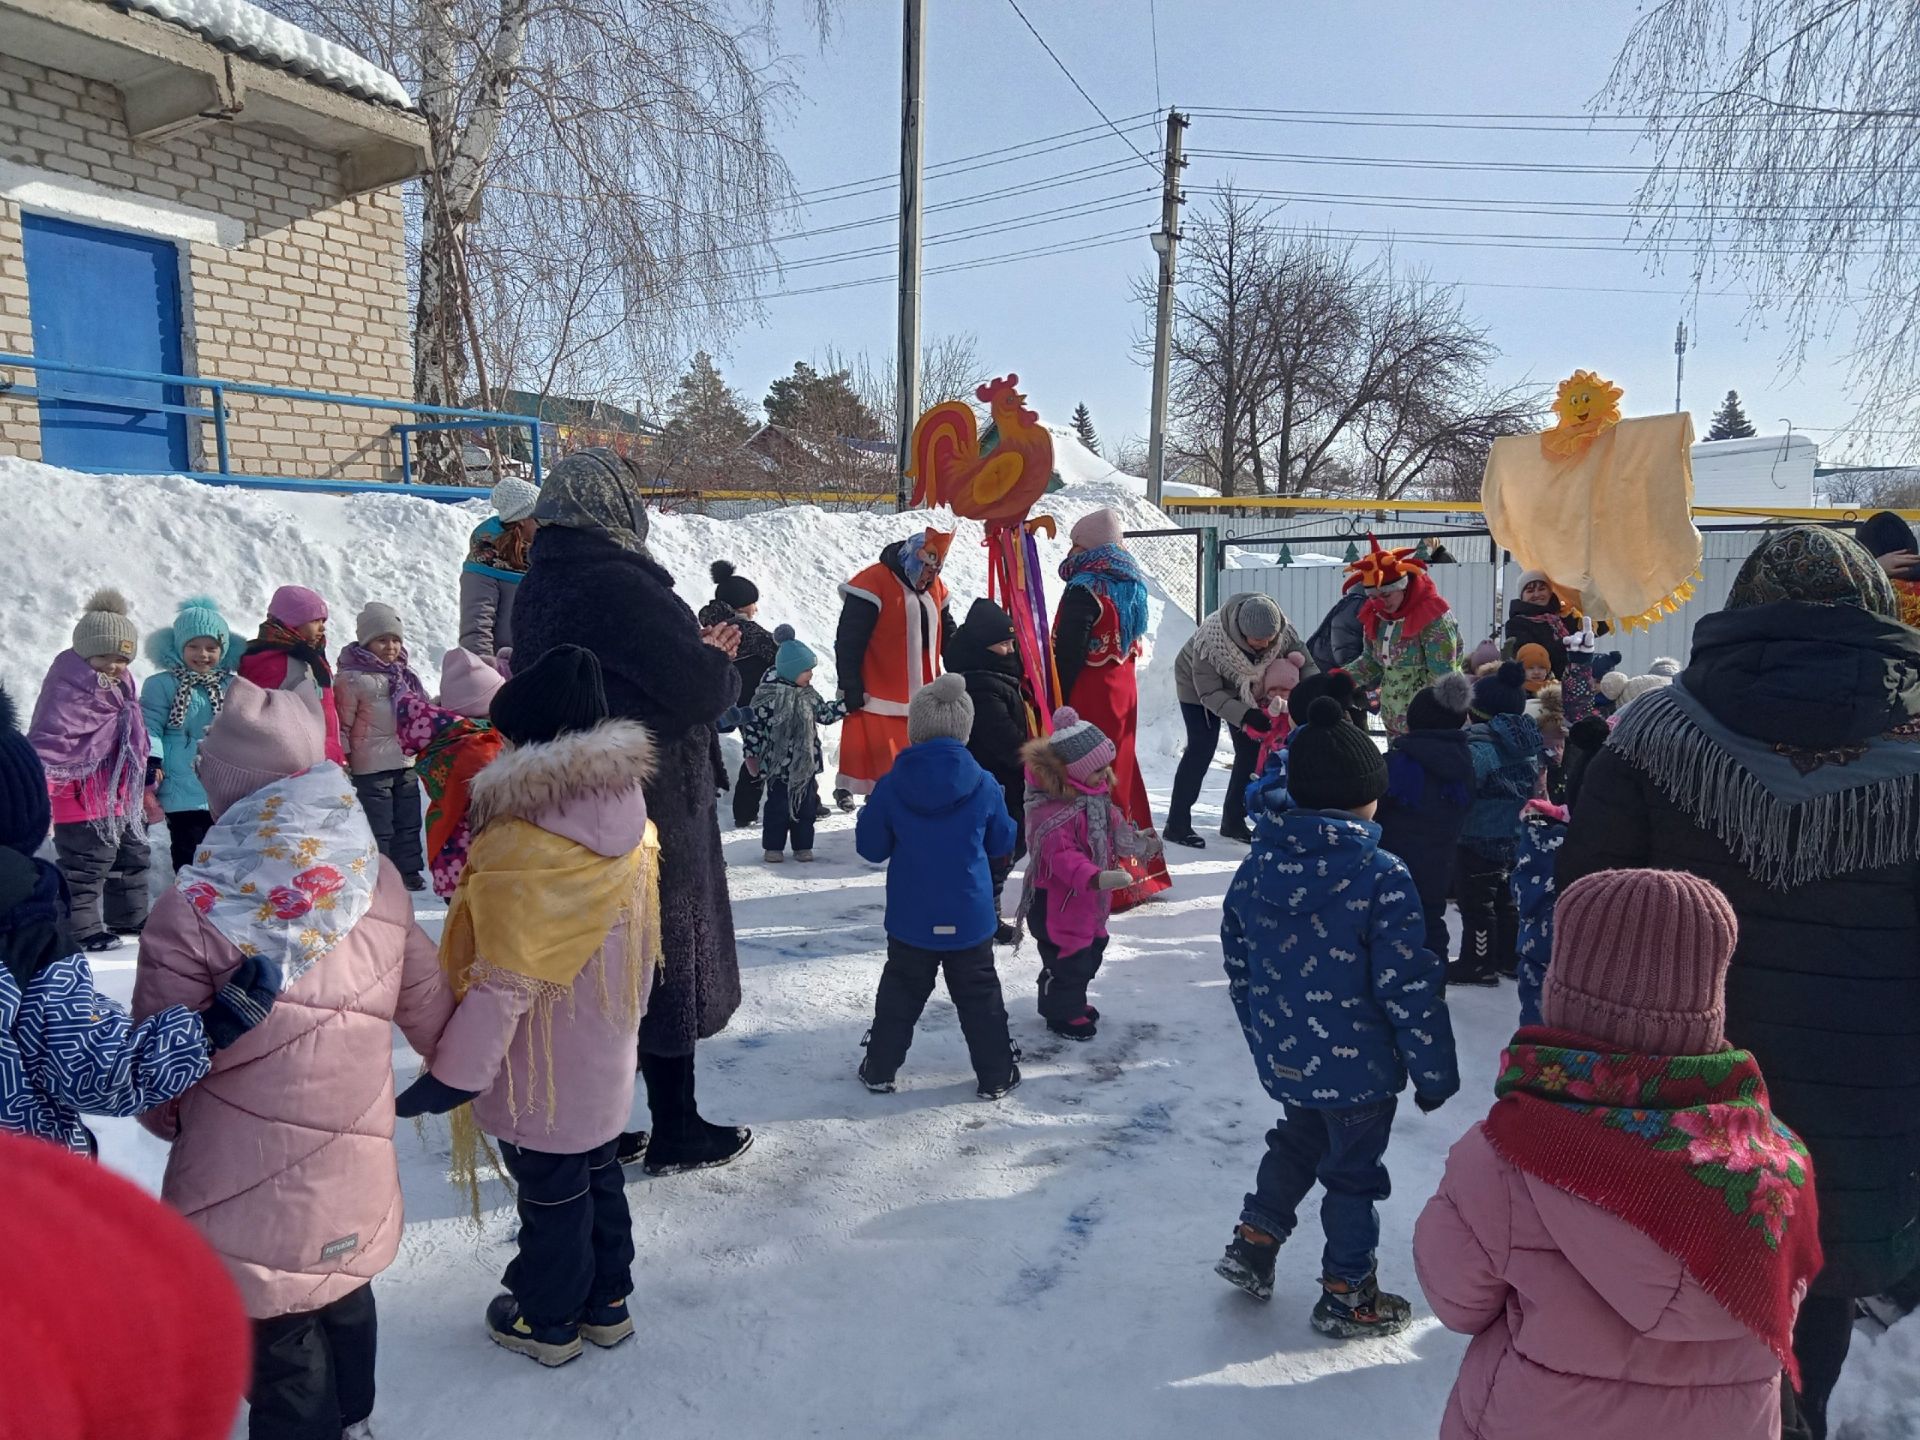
(1584, 406)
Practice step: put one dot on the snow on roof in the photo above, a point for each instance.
(248, 30)
(1076, 462)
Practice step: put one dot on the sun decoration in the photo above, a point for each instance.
(1584, 407)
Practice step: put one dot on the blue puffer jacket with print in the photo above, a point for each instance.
(1327, 964)
(1509, 761)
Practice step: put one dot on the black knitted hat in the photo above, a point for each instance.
(559, 694)
(1337, 683)
(1442, 705)
(732, 589)
(1501, 693)
(1332, 764)
(1884, 534)
(25, 814)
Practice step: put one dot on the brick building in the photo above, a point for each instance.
(179, 197)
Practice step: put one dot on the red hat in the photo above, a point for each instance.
(124, 1322)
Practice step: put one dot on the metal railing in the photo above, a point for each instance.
(443, 418)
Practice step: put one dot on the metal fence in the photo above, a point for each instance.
(1177, 561)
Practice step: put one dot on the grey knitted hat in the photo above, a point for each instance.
(105, 628)
(1082, 746)
(1256, 616)
(376, 620)
(941, 710)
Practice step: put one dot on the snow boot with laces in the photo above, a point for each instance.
(551, 1345)
(606, 1325)
(1248, 1262)
(1348, 1312)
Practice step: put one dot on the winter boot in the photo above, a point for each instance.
(877, 1086)
(844, 799)
(1184, 836)
(1248, 1262)
(773, 857)
(415, 882)
(99, 944)
(1348, 1312)
(805, 857)
(1471, 972)
(551, 1345)
(682, 1140)
(359, 1430)
(1003, 1088)
(1006, 935)
(1080, 1027)
(1236, 830)
(631, 1148)
(606, 1325)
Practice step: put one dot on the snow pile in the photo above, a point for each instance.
(76, 532)
(248, 30)
(1077, 464)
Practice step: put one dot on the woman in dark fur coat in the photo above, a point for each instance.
(592, 583)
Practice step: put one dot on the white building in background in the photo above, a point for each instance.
(1760, 471)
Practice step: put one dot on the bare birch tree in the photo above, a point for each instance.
(1786, 152)
(605, 185)
(950, 369)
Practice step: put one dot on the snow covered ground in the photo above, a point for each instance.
(919, 1263)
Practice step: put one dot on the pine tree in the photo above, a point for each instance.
(1083, 427)
(706, 422)
(825, 406)
(1730, 421)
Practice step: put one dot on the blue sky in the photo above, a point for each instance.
(1067, 323)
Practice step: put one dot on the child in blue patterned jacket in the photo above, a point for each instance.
(1341, 1001)
(66, 1050)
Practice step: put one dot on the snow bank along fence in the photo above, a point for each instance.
(129, 397)
(1294, 550)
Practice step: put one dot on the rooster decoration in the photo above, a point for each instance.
(996, 483)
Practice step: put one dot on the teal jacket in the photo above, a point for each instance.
(178, 745)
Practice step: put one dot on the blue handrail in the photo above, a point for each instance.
(219, 389)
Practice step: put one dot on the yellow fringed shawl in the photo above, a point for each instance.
(532, 910)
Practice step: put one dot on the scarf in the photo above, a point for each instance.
(275, 636)
(1110, 571)
(1109, 832)
(495, 550)
(789, 749)
(597, 491)
(89, 733)
(1421, 608)
(446, 767)
(1233, 663)
(400, 677)
(1681, 1147)
(1808, 563)
(533, 908)
(186, 681)
(1789, 816)
(288, 871)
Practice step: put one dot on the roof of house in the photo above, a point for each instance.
(243, 29)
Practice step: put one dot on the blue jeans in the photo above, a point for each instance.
(1343, 1150)
(777, 821)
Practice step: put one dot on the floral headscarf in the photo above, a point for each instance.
(598, 491)
(1821, 567)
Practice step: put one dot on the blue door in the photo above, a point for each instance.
(100, 297)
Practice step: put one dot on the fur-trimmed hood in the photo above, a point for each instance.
(584, 786)
(1047, 772)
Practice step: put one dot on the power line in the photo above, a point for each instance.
(1556, 168)
(1598, 209)
(1077, 85)
(1153, 29)
(1590, 125)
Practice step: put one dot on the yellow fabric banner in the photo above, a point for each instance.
(1612, 527)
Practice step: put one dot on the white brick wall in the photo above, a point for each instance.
(315, 298)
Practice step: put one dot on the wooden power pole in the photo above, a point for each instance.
(912, 158)
(1166, 241)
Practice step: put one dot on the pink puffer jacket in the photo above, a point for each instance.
(586, 788)
(283, 1156)
(1582, 1326)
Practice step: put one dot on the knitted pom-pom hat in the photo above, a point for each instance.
(1442, 705)
(1640, 961)
(732, 589)
(105, 629)
(296, 605)
(1332, 764)
(199, 618)
(1082, 746)
(940, 710)
(1501, 693)
(793, 659)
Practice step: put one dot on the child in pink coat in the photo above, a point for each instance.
(1628, 1235)
(283, 1155)
(1075, 838)
(1283, 672)
(550, 940)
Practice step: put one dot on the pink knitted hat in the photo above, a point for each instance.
(1640, 961)
(260, 736)
(1101, 527)
(295, 605)
(467, 684)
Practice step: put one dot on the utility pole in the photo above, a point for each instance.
(912, 157)
(1679, 362)
(1165, 240)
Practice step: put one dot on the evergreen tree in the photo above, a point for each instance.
(706, 421)
(826, 406)
(1083, 427)
(1730, 421)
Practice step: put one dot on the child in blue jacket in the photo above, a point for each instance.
(195, 659)
(938, 819)
(1341, 1002)
(66, 1050)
